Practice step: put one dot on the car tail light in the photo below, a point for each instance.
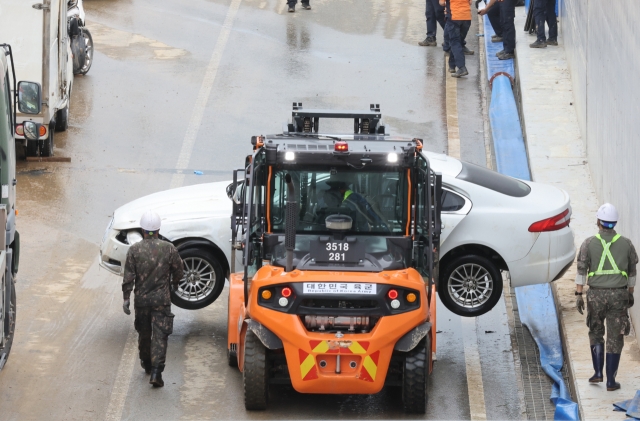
(286, 292)
(552, 224)
(43, 130)
(20, 130)
(341, 146)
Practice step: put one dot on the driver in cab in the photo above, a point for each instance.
(367, 217)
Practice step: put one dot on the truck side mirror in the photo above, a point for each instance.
(29, 97)
(31, 130)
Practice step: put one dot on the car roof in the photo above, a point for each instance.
(443, 164)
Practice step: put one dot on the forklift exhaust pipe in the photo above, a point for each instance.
(291, 219)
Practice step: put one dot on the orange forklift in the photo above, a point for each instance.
(339, 235)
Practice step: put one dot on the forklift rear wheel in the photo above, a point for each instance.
(62, 119)
(255, 373)
(415, 376)
(232, 358)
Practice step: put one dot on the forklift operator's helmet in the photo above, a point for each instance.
(339, 181)
(150, 221)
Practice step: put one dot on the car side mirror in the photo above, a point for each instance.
(29, 97)
(31, 130)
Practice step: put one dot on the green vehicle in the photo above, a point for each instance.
(27, 98)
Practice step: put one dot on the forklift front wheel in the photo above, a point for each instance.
(255, 373)
(415, 377)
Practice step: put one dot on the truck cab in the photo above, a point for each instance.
(339, 235)
(10, 100)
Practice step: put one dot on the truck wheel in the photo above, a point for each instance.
(255, 373)
(88, 51)
(203, 280)
(470, 285)
(9, 327)
(32, 148)
(62, 119)
(48, 144)
(415, 376)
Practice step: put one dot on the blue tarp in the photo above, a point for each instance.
(631, 407)
(536, 304)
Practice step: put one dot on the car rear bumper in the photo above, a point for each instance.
(549, 256)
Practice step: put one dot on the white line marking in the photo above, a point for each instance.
(125, 369)
(474, 370)
(123, 378)
(453, 131)
(470, 337)
(203, 96)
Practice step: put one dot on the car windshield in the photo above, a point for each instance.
(493, 180)
(374, 200)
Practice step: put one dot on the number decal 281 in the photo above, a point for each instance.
(337, 257)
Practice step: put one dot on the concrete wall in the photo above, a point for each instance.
(602, 42)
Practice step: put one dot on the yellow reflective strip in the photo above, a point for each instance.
(356, 348)
(322, 347)
(307, 365)
(370, 366)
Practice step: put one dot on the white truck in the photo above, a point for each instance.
(39, 37)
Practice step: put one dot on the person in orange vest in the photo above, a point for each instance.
(458, 13)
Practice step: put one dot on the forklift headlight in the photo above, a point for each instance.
(289, 156)
(392, 157)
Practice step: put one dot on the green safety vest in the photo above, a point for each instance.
(606, 253)
(347, 194)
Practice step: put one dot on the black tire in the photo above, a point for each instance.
(232, 358)
(62, 119)
(32, 147)
(255, 375)
(415, 378)
(486, 284)
(88, 57)
(9, 327)
(192, 294)
(48, 144)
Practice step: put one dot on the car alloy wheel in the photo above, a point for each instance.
(199, 279)
(203, 279)
(470, 285)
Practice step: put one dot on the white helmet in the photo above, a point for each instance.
(607, 213)
(150, 221)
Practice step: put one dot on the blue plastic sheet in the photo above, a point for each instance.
(537, 312)
(631, 407)
(535, 303)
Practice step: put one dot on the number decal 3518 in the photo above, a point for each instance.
(337, 247)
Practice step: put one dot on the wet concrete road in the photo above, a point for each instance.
(132, 133)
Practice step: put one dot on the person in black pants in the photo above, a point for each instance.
(504, 28)
(292, 5)
(435, 15)
(493, 13)
(545, 10)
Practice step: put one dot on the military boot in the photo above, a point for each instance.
(146, 365)
(613, 360)
(156, 377)
(597, 356)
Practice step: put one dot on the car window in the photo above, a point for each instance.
(492, 180)
(451, 202)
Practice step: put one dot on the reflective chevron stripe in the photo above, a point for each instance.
(335, 347)
(370, 367)
(308, 370)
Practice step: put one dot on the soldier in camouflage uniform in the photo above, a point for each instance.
(607, 262)
(155, 268)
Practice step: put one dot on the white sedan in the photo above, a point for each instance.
(490, 223)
